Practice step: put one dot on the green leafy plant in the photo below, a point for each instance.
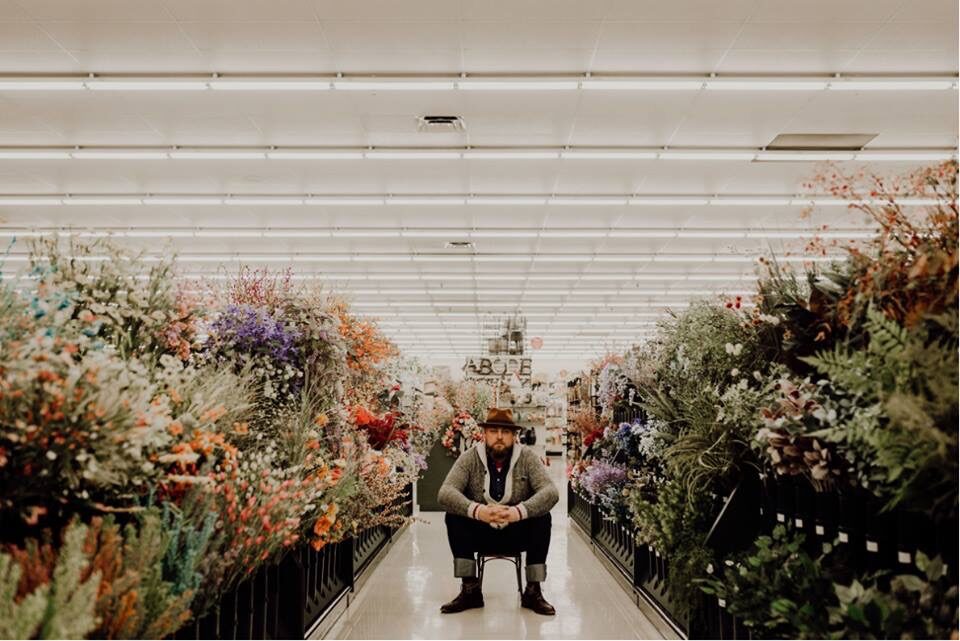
(776, 589)
(908, 453)
(909, 607)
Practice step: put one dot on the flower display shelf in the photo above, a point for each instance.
(580, 510)
(650, 581)
(617, 542)
(288, 599)
(366, 545)
(871, 539)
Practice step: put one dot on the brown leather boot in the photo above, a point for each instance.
(470, 597)
(532, 599)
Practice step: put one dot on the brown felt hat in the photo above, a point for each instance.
(497, 417)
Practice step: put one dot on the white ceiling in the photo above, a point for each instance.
(901, 37)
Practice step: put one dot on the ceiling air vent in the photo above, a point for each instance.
(458, 244)
(820, 142)
(441, 124)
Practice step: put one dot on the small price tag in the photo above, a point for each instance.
(798, 522)
(722, 603)
(658, 553)
(781, 518)
(820, 531)
(904, 557)
(872, 546)
(761, 510)
(844, 537)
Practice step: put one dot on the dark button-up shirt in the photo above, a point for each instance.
(498, 478)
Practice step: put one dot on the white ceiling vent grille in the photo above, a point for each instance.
(821, 142)
(441, 124)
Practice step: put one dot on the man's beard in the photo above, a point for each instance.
(499, 454)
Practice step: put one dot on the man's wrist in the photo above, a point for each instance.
(473, 510)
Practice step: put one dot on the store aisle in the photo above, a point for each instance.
(402, 598)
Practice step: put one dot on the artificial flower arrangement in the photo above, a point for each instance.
(213, 431)
(843, 374)
(462, 432)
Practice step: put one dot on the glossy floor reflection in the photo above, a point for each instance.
(401, 599)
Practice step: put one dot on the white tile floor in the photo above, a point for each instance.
(401, 599)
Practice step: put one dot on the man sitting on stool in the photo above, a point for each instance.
(498, 498)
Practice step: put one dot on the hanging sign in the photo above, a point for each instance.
(498, 367)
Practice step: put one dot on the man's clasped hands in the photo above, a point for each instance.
(498, 514)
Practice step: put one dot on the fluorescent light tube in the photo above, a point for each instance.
(574, 233)
(413, 155)
(763, 84)
(507, 200)
(587, 201)
(264, 201)
(93, 200)
(182, 200)
(642, 233)
(315, 155)
(40, 84)
(33, 154)
(437, 233)
(518, 85)
(22, 233)
(217, 155)
(362, 233)
(429, 200)
(228, 233)
(572, 258)
(491, 233)
(146, 85)
(707, 155)
(609, 155)
(396, 85)
(119, 154)
(271, 85)
(710, 234)
(668, 201)
(158, 233)
(650, 84)
(905, 156)
(731, 201)
(805, 156)
(906, 84)
(296, 233)
(339, 200)
(30, 200)
(511, 155)
(493, 258)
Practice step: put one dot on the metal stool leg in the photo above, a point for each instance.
(518, 560)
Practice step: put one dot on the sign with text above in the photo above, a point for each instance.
(498, 368)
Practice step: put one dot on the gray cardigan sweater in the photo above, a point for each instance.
(528, 486)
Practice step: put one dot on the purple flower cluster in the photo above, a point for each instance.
(624, 435)
(252, 330)
(601, 477)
